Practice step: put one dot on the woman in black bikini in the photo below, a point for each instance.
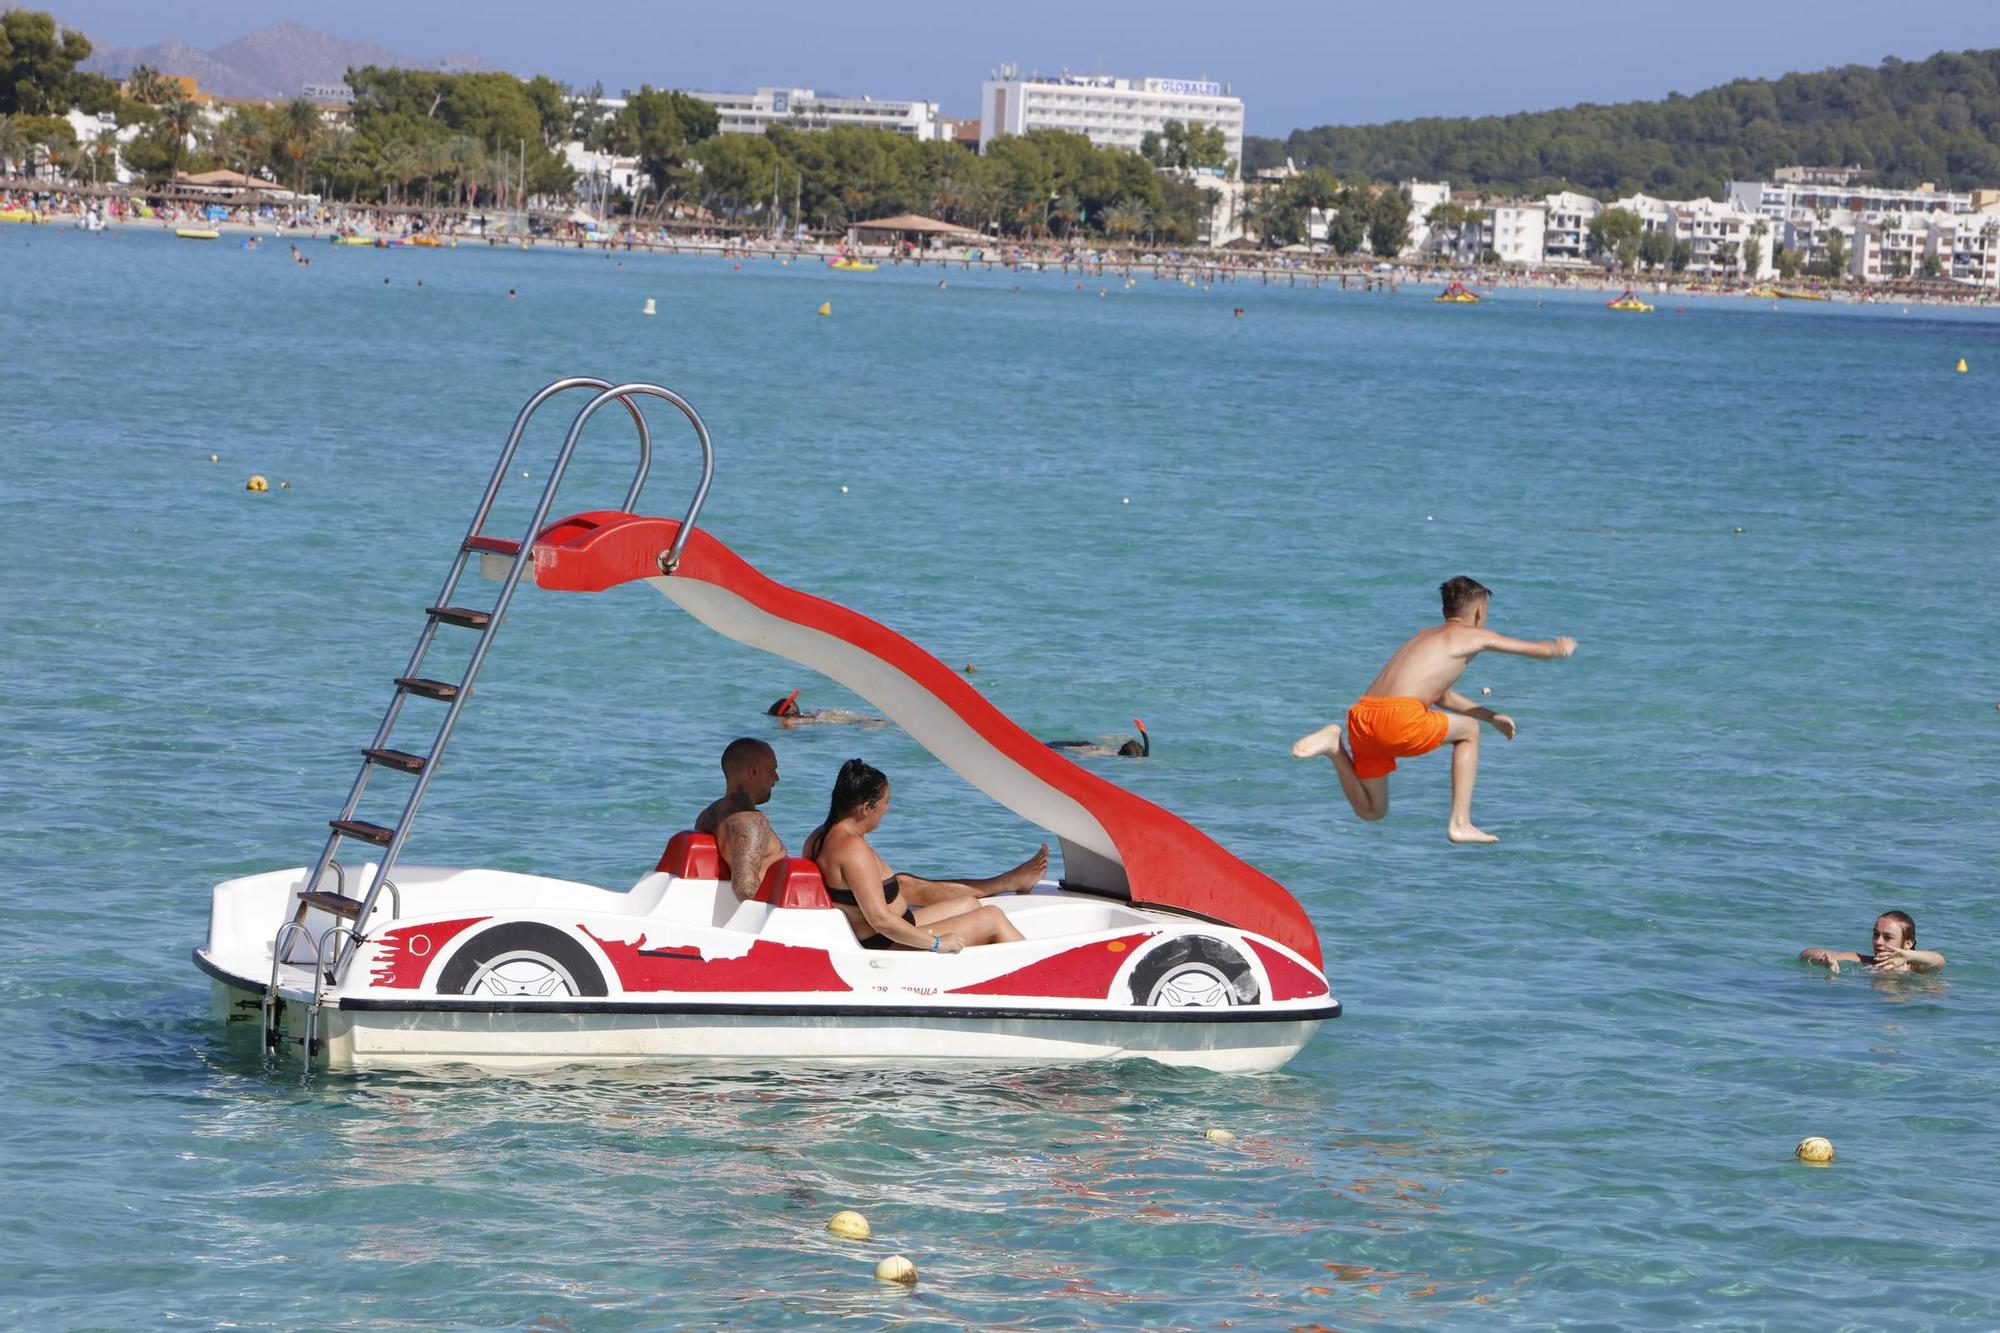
(888, 910)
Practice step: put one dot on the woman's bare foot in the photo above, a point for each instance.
(1467, 833)
(1324, 741)
(1026, 875)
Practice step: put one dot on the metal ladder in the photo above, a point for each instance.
(348, 939)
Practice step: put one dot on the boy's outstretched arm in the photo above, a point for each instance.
(1560, 646)
(1453, 701)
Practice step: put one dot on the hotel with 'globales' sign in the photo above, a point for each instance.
(1113, 112)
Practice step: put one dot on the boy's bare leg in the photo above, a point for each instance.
(1463, 737)
(1368, 796)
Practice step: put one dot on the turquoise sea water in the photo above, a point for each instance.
(1573, 1066)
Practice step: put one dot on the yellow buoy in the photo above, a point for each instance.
(1961, 365)
(1218, 1136)
(896, 1269)
(1814, 1151)
(826, 307)
(650, 309)
(849, 1225)
(257, 483)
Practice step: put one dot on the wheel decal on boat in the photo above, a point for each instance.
(1194, 972)
(522, 960)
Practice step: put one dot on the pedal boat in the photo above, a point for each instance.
(1154, 942)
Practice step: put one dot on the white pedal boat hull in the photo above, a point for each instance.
(507, 971)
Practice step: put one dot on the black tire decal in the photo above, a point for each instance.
(1195, 970)
(504, 959)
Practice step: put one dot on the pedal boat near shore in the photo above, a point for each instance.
(1154, 942)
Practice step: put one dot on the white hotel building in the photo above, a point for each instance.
(802, 108)
(1112, 112)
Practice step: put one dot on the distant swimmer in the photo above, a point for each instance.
(1895, 943)
(1131, 749)
(1396, 719)
(789, 714)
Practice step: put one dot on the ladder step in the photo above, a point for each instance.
(460, 615)
(362, 829)
(431, 689)
(400, 759)
(493, 545)
(337, 903)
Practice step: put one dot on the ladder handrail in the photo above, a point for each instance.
(670, 559)
(609, 393)
(457, 570)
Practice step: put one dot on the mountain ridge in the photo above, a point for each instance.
(272, 63)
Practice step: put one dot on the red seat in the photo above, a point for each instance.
(691, 855)
(793, 882)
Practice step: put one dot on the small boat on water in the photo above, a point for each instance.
(356, 240)
(19, 215)
(853, 266)
(1630, 301)
(1800, 294)
(198, 233)
(1154, 941)
(1457, 294)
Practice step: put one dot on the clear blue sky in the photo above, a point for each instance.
(1295, 65)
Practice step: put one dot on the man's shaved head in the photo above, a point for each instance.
(743, 751)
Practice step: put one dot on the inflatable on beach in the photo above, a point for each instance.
(1154, 941)
(198, 233)
(1629, 301)
(1457, 294)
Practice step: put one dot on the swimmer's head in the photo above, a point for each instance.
(1464, 596)
(1889, 925)
(785, 707)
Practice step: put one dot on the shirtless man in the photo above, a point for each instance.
(742, 834)
(1396, 717)
(1895, 942)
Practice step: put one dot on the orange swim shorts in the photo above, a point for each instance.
(1379, 730)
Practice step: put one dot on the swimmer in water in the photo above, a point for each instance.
(1895, 943)
(789, 714)
(1131, 749)
(1411, 709)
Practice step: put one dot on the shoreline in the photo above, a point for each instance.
(1194, 267)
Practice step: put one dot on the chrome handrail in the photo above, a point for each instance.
(670, 559)
(625, 393)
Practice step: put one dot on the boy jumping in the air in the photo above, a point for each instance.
(1396, 717)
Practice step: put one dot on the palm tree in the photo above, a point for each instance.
(178, 116)
(468, 165)
(1066, 210)
(399, 166)
(1127, 218)
(13, 140)
(147, 86)
(299, 137)
(435, 160)
(104, 153)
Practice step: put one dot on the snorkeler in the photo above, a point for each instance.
(1131, 749)
(789, 714)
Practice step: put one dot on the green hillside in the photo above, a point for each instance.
(1929, 120)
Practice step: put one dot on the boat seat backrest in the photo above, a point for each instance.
(691, 855)
(793, 882)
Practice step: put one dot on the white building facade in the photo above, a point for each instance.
(1111, 112)
(802, 108)
(1779, 200)
(1517, 232)
(1568, 237)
